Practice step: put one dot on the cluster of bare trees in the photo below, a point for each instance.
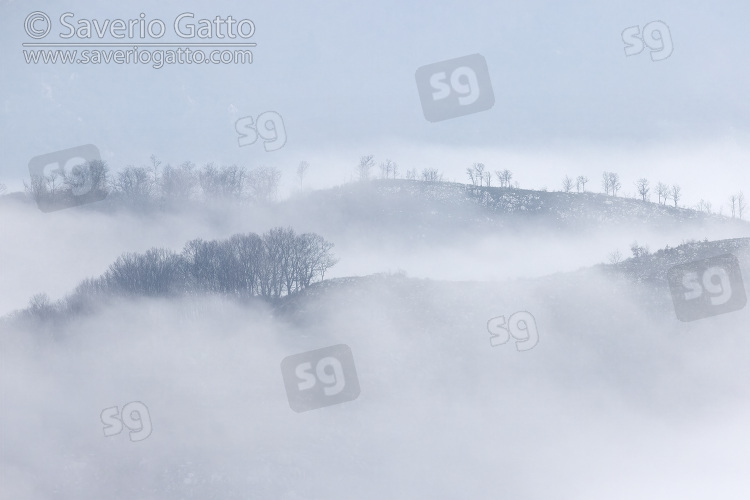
(504, 177)
(431, 175)
(611, 183)
(366, 164)
(273, 265)
(62, 187)
(480, 176)
(389, 170)
(187, 182)
(143, 185)
(638, 251)
(737, 205)
(580, 183)
(704, 206)
(664, 192)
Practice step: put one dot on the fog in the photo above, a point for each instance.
(611, 391)
(485, 331)
(53, 252)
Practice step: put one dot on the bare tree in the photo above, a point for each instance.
(385, 169)
(488, 178)
(606, 181)
(202, 262)
(614, 183)
(662, 190)
(733, 205)
(581, 183)
(388, 168)
(135, 184)
(703, 206)
(227, 182)
(366, 163)
(507, 176)
(431, 175)
(2, 188)
(264, 183)
(411, 174)
(567, 184)
(178, 184)
(247, 250)
(643, 188)
(675, 194)
(504, 177)
(615, 257)
(41, 307)
(154, 171)
(302, 171)
(470, 174)
(320, 258)
(60, 188)
(479, 172)
(158, 272)
(638, 250)
(234, 181)
(36, 188)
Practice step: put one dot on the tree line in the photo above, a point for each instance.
(389, 169)
(154, 184)
(277, 264)
(149, 185)
(665, 193)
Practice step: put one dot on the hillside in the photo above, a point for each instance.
(594, 361)
(382, 202)
(432, 303)
(643, 279)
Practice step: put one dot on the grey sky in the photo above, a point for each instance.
(614, 385)
(567, 99)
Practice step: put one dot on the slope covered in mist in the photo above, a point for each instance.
(613, 382)
(379, 226)
(460, 207)
(595, 375)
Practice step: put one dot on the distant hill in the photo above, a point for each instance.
(642, 279)
(430, 205)
(433, 206)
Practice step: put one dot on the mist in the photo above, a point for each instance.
(609, 388)
(446, 250)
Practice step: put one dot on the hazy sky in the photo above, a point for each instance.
(613, 390)
(567, 98)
